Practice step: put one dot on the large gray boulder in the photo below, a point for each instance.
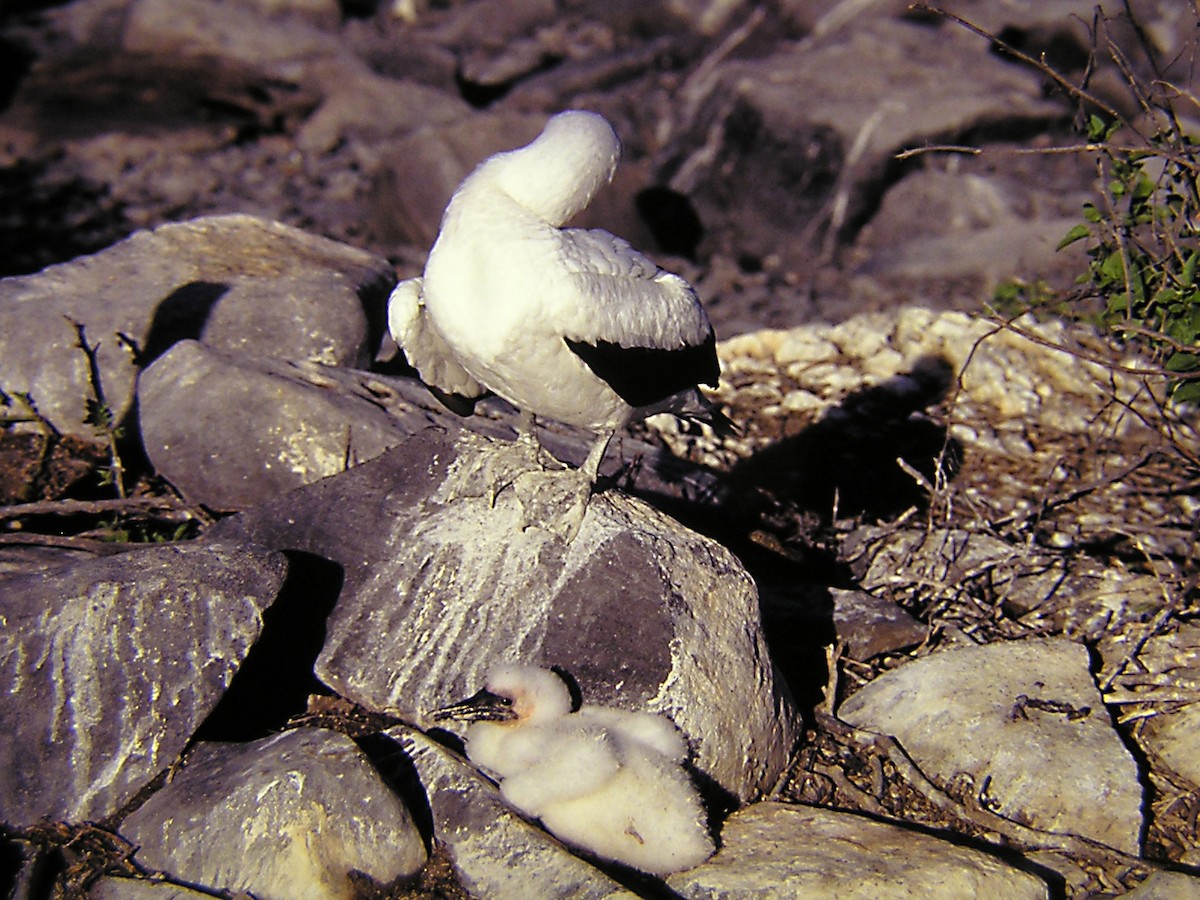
(233, 282)
(799, 141)
(441, 584)
(110, 666)
(230, 430)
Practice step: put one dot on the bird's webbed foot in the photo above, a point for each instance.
(553, 501)
(488, 467)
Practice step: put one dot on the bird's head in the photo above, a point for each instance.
(514, 693)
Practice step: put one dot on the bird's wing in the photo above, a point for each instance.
(640, 329)
(427, 351)
(644, 728)
(574, 761)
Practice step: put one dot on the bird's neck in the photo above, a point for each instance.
(553, 183)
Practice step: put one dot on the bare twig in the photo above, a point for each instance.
(62, 542)
(1072, 89)
(95, 507)
(100, 414)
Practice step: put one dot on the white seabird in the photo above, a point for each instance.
(565, 323)
(607, 780)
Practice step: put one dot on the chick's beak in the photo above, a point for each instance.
(482, 707)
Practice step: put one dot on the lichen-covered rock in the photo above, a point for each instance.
(289, 816)
(111, 664)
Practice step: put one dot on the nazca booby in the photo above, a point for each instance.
(565, 323)
(607, 780)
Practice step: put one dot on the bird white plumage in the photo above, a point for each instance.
(607, 780)
(570, 324)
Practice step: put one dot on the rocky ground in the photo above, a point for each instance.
(928, 621)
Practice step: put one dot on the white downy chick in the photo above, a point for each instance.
(606, 780)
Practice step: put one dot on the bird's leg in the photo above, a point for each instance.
(527, 437)
(531, 446)
(591, 465)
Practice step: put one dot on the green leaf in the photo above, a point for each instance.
(1187, 391)
(1075, 234)
(1097, 128)
(1181, 361)
(1113, 269)
(1090, 213)
(1143, 189)
(1187, 275)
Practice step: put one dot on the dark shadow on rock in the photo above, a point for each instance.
(275, 680)
(28, 870)
(36, 198)
(1125, 731)
(12, 860)
(15, 60)
(798, 625)
(373, 296)
(399, 773)
(179, 316)
(847, 461)
(481, 95)
(788, 492)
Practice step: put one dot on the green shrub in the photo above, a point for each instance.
(1142, 245)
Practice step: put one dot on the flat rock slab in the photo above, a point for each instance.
(777, 851)
(113, 888)
(438, 588)
(235, 282)
(1025, 722)
(1163, 885)
(871, 625)
(113, 663)
(496, 852)
(287, 816)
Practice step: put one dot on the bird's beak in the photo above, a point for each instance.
(483, 707)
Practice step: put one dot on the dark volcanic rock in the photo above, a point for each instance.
(440, 585)
(111, 666)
